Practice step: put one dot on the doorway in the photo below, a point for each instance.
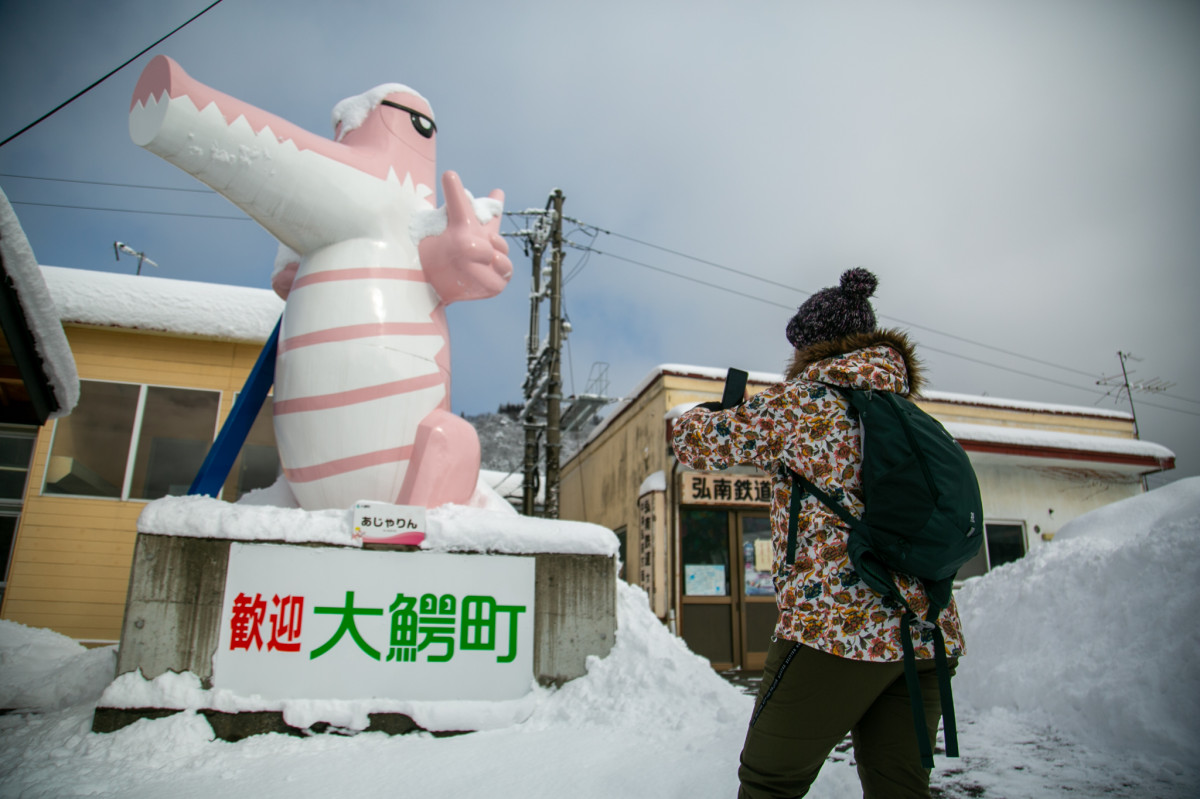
(728, 608)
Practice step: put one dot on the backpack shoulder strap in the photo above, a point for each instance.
(801, 486)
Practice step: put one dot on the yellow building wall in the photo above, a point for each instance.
(72, 555)
(600, 484)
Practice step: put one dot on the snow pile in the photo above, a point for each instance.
(205, 517)
(649, 680)
(42, 670)
(1098, 631)
(490, 525)
(1054, 642)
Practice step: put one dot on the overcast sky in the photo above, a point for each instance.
(1022, 175)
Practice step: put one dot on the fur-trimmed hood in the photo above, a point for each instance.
(808, 363)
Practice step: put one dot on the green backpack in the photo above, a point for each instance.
(923, 517)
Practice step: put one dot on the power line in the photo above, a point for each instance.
(805, 291)
(107, 183)
(75, 97)
(924, 346)
(676, 274)
(132, 211)
(706, 262)
(593, 231)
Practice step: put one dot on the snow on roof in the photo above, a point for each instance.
(1023, 405)
(182, 307)
(1050, 439)
(38, 306)
(714, 373)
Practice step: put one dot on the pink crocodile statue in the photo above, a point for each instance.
(362, 380)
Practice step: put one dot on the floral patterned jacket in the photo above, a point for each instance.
(803, 424)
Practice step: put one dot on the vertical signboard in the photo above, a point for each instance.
(321, 623)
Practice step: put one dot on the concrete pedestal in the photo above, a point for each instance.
(173, 617)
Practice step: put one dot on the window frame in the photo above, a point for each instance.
(986, 551)
(13, 508)
(134, 439)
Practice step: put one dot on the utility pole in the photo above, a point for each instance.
(541, 358)
(547, 412)
(554, 384)
(532, 347)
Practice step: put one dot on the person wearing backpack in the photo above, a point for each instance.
(835, 664)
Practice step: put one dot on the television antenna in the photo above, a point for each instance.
(121, 247)
(1121, 384)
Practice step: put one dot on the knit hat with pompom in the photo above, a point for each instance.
(835, 312)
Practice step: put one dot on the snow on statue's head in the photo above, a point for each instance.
(390, 112)
(362, 377)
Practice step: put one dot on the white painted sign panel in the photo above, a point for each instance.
(325, 623)
(383, 523)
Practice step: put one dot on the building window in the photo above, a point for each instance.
(127, 441)
(16, 452)
(257, 465)
(704, 544)
(622, 551)
(1004, 542)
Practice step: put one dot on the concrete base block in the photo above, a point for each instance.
(173, 622)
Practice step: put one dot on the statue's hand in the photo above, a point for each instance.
(468, 260)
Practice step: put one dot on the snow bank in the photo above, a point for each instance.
(41, 670)
(1098, 630)
(649, 680)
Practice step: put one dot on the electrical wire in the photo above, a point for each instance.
(809, 293)
(594, 231)
(132, 211)
(107, 183)
(924, 346)
(76, 96)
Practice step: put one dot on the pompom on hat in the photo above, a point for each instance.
(835, 312)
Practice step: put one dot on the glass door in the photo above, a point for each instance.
(757, 589)
(709, 621)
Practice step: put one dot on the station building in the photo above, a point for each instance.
(699, 542)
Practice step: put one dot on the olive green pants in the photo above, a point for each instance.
(809, 701)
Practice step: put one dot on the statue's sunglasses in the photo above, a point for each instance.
(422, 123)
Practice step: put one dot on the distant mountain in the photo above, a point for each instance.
(502, 439)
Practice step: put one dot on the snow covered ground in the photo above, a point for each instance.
(1080, 680)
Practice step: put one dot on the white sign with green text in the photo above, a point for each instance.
(328, 623)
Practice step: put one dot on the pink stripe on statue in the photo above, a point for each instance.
(351, 332)
(341, 399)
(306, 474)
(365, 273)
